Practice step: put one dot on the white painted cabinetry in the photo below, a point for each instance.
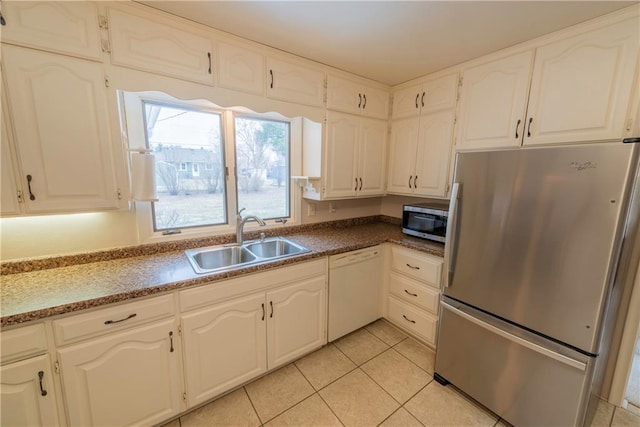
(433, 95)
(239, 68)
(61, 126)
(291, 82)
(160, 45)
(353, 156)
(577, 90)
(132, 377)
(420, 146)
(354, 98)
(10, 192)
(70, 28)
(27, 391)
(227, 343)
(414, 282)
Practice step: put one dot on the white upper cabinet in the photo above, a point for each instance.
(61, 126)
(239, 68)
(581, 86)
(349, 97)
(419, 155)
(577, 90)
(493, 102)
(159, 45)
(63, 27)
(294, 83)
(434, 95)
(354, 156)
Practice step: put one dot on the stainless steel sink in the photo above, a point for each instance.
(275, 248)
(225, 258)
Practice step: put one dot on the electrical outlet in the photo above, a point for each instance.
(311, 209)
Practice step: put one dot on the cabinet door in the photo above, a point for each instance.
(402, 155)
(61, 127)
(294, 83)
(344, 95)
(439, 94)
(10, 204)
(371, 157)
(297, 320)
(581, 86)
(375, 103)
(27, 394)
(126, 378)
(406, 102)
(240, 69)
(64, 27)
(341, 145)
(493, 100)
(432, 159)
(159, 47)
(224, 346)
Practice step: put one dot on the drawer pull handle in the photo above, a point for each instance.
(413, 295)
(360, 100)
(31, 195)
(209, 56)
(109, 322)
(43, 392)
(413, 267)
(417, 97)
(171, 341)
(271, 304)
(407, 319)
(263, 313)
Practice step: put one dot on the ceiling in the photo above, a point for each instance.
(389, 41)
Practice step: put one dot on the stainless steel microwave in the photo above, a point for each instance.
(426, 220)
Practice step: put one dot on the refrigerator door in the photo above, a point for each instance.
(534, 234)
(525, 379)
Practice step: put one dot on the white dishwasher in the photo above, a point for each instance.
(355, 279)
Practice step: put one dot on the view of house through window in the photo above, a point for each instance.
(189, 148)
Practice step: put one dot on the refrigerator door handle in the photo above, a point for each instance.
(528, 344)
(450, 234)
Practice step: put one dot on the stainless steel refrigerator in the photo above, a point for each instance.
(533, 244)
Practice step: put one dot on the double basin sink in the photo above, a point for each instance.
(230, 257)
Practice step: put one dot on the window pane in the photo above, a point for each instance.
(189, 166)
(262, 163)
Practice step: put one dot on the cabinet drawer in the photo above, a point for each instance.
(23, 342)
(423, 267)
(416, 321)
(76, 328)
(414, 292)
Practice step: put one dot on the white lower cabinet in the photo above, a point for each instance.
(125, 378)
(229, 343)
(28, 394)
(413, 285)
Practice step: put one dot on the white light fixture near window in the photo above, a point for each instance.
(143, 176)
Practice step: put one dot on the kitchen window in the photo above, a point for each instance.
(210, 163)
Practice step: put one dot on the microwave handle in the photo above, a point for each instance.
(449, 249)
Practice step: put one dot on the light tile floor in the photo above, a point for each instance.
(374, 376)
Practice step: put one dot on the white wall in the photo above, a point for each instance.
(340, 209)
(38, 236)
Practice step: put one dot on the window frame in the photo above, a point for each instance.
(133, 129)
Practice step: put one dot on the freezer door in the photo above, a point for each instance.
(528, 383)
(535, 234)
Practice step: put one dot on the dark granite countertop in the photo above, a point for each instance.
(42, 293)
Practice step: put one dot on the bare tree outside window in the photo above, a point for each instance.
(262, 166)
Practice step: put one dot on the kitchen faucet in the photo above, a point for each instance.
(240, 221)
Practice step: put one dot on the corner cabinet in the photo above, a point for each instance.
(61, 128)
(291, 82)
(560, 97)
(359, 99)
(281, 317)
(420, 147)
